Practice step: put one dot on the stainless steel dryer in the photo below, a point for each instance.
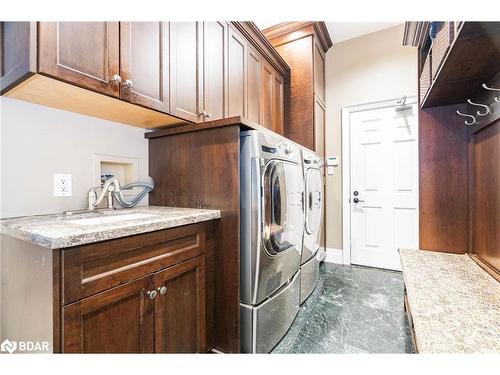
(272, 226)
(311, 253)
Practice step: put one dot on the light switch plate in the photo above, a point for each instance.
(62, 185)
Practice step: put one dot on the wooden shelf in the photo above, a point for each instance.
(473, 58)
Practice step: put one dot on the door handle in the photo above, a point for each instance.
(357, 200)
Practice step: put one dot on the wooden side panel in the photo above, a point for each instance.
(486, 195)
(180, 310)
(299, 103)
(144, 62)
(443, 170)
(83, 53)
(201, 169)
(120, 320)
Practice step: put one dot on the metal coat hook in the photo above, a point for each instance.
(497, 99)
(487, 108)
(468, 123)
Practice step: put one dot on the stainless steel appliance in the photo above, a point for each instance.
(312, 254)
(272, 227)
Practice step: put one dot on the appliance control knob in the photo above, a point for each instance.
(287, 147)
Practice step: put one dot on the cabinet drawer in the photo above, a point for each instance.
(93, 268)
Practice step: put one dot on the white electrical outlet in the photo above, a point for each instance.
(62, 185)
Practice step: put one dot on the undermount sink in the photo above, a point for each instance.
(109, 219)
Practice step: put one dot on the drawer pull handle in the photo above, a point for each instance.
(162, 290)
(152, 294)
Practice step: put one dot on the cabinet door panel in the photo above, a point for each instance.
(267, 96)
(254, 67)
(180, 311)
(144, 61)
(15, 60)
(120, 320)
(278, 110)
(82, 53)
(236, 74)
(214, 65)
(185, 87)
(319, 127)
(319, 73)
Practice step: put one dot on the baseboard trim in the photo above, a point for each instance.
(333, 255)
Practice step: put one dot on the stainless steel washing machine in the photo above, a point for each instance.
(271, 232)
(312, 254)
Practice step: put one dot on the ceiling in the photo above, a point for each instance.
(340, 31)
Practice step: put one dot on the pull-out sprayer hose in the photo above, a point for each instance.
(148, 186)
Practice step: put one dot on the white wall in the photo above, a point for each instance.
(37, 141)
(369, 68)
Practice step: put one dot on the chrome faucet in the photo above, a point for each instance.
(110, 186)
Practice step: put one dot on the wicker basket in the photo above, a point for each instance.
(440, 46)
(425, 77)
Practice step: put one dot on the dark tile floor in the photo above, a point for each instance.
(352, 310)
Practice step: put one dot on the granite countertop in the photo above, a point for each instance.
(454, 303)
(62, 231)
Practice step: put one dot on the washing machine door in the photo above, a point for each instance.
(314, 200)
(283, 200)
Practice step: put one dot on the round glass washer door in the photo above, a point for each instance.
(283, 195)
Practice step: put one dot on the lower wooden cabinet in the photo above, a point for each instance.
(120, 320)
(149, 293)
(180, 308)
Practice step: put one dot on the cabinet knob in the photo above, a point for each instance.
(152, 294)
(116, 79)
(203, 113)
(128, 83)
(208, 115)
(162, 290)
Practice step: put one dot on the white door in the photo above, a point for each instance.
(383, 185)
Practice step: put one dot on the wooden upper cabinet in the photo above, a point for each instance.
(214, 70)
(185, 70)
(120, 320)
(83, 53)
(254, 68)
(236, 74)
(144, 64)
(272, 99)
(319, 73)
(180, 308)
